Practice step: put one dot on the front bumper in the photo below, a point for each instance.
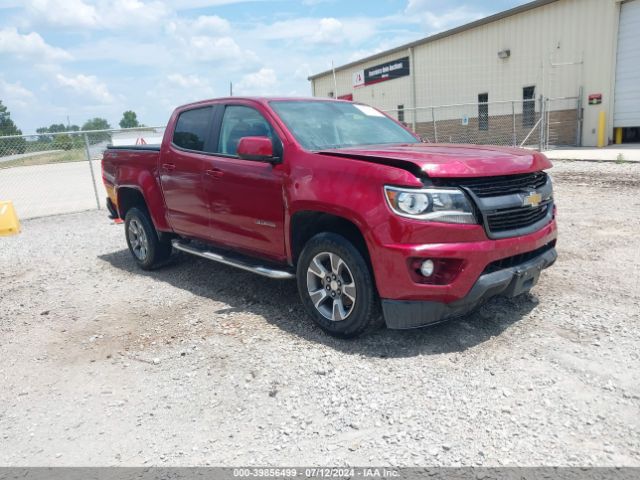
(512, 281)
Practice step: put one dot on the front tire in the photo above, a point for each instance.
(336, 286)
(146, 247)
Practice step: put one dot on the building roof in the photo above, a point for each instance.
(468, 26)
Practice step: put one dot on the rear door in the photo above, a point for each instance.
(245, 197)
(181, 172)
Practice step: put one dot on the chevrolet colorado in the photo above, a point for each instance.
(343, 198)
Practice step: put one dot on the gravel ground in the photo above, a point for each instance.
(198, 364)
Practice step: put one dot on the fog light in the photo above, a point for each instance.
(426, 268)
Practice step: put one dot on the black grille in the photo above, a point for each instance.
(514, 218)
(503, 185)
(517, 259)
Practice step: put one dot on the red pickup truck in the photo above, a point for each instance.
(343, 198)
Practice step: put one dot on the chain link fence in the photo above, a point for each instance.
(53, 173)
(542, 124)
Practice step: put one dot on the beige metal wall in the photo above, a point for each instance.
(558, 47)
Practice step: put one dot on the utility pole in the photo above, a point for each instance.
(335, 83)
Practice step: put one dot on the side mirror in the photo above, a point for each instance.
(256, 148)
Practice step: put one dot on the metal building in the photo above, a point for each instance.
(554, 72)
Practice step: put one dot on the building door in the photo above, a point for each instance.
(627, 94)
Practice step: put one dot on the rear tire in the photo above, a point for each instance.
(147, 248)
(336, 286)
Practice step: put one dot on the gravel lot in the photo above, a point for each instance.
(197, 363)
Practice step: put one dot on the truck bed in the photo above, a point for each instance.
(124, 165)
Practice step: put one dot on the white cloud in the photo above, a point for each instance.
(64, 13)
(29, 46)
(262, 82)
(122, 50)
(329, 29)
(206, 49)
(438, 16)
(98, 14)
(187, 81)
(193, 4)
(450, 19)
(86, 86)
(121, 13)
(205, 39)
(210, 24)
(312, 3)
(15, 94)
(10, 4)
(318, 31)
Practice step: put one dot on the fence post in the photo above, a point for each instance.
(93, 177)
(435, 125)
(547, 134)
(542, 126)
(579, 119)
(513, 115)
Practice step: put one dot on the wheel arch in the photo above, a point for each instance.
(129, 197)
(145, 192)
(305, 224)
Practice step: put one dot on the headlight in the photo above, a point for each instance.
(448, 205)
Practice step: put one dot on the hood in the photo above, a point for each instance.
(443, 160)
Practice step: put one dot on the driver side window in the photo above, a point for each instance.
(239, 121)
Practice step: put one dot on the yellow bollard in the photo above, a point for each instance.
(618, 136)
(9, 223)
(602, 125)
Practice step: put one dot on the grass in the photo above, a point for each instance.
(76, 155)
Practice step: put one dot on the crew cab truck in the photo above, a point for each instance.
(342, 198)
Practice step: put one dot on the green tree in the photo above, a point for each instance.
(129, 120)
(10, 146)
(97, 124)
(53, 128)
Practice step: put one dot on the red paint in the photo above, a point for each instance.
(442, 160)
(252, 148)
(247, 205)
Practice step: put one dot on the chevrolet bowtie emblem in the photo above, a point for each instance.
(532, 200)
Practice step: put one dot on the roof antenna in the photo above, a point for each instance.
(231, 89)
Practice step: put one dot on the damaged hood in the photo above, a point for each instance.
(443, 160)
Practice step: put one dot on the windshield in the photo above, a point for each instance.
(321, 125)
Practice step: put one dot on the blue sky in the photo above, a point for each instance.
(87, 58)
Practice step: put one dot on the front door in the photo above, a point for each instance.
(245, 197)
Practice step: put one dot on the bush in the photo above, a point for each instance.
(62, 142)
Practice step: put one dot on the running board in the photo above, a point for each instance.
(242, 263)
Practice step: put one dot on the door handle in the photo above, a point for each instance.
(169, 166)
(214, 172)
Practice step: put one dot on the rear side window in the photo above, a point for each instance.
(192, 129)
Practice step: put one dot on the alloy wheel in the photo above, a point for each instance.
(331, 286)
(138, 240)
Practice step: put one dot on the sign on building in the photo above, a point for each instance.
(382, 73)
(358, 79)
